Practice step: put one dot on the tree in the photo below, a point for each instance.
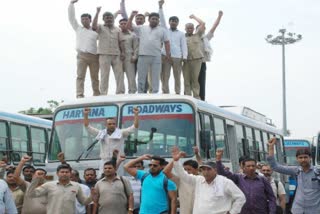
(53, 104)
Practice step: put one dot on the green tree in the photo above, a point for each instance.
(53, 104)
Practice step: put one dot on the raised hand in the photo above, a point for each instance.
(192, 16)
(220, 13)
(86, 111)
(195, 150)
(98, 9)
(272, 142)
(61, 157)
(136, 110)
(3, 164)
(25, 158)
(115, 153)
(177, 154)
(146, 157)
(134, 13)
(219, 154)
(74, 1)
(161, 2)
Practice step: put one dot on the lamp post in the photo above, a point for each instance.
(285, 38)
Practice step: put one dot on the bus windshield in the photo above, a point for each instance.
(291, 147)
(71, 137)
(161, 127)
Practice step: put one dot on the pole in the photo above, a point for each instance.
(284, 103)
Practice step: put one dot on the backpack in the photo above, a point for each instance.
(165, 186)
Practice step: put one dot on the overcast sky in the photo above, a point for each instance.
(37, 58)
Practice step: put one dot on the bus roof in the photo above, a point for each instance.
(25, 119)
(153, 98)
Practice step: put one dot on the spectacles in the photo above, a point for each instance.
(153, 165)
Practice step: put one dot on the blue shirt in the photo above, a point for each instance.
(7, 204)
(154, 199)
(307, 198)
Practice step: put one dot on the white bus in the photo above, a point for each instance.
(164, 121)
(23, 135)
(317, 150)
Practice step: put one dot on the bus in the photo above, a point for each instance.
(165, 121)
(291, 146)
(317, 150)
(23, 135)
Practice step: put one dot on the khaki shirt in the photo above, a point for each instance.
(194, 44)
(18, 195)
(109, 40)
(61, 199)
(112, 195)
(131, 44)
(34, 205)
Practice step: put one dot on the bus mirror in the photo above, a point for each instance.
(205, 136)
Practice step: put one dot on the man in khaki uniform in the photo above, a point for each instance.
(110, 50)
(61, 194)
(192, 66)
(114, 193)
(131, 46)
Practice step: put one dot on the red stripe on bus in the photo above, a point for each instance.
(160, 116)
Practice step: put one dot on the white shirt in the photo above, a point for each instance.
(218, 197)
(178, 42)
(86, 39)
(186, 195)
(108, 143)
(279, 191)
(81, 209)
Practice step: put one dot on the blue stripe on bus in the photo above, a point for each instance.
(296, 143)
(25, 119)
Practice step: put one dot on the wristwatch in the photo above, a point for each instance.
(130, 209)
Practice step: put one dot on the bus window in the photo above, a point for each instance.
(20, 141)
(161, 125)
(240, 140)
(39, 143)
(259, 145)
(71, 137)
(220, 138)
(4, 137)
(249, 137)
(281, 152)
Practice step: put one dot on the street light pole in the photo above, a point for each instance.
(283, 40)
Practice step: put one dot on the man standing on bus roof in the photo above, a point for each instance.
(307, 197)
(86, 46)
(111, 138)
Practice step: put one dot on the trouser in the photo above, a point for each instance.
(144, 63)
(130, 69)
(202, 81)
(191, 70)
(165, 74)
(106, 61)
(85, 60)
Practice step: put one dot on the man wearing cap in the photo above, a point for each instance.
(179, 52)
(258, 191)
(214, 194)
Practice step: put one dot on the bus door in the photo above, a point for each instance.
(232, 141)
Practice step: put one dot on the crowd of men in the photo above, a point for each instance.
(195, 187)
(150, 51)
